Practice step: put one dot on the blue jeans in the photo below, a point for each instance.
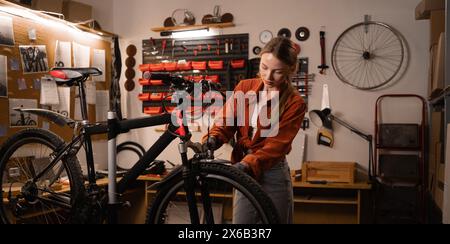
(277, 183)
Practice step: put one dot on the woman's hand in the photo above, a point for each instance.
(211, 144)
(242, 166)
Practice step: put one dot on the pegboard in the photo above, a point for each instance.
(230, 52)
(46, 35)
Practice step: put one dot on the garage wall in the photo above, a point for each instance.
(102, 11)
(133, 19)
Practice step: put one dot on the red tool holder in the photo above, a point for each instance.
(212, 58)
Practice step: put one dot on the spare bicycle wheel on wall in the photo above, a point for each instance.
(369, 55)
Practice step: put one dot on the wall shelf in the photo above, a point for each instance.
(193, 27)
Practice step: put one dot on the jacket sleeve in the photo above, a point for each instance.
(225, 124)
(276, 148)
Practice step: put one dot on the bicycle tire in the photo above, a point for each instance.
(157, 212)
(132, 144)
(129, 146)
(29, 138)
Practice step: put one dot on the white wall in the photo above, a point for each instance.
(102, 11)
(133, 19)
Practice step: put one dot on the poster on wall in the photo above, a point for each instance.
(99, 61)
(20, 119)
(34, 59)
(6, 31)
(63, 54)
(81, 56)
(3, 77)
(64, 101)
(102, 106)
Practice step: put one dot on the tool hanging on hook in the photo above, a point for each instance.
(323, 65)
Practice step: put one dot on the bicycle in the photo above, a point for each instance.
(32, 194)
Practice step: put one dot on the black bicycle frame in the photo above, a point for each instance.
(115, 127)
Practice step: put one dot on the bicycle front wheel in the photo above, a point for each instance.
(48, 199)
(220, 181)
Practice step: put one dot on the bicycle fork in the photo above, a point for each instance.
(189, 178)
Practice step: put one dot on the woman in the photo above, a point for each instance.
(262, 154)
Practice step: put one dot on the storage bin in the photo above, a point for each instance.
(144, 96)
(215, 65)
(199, 65)
(170, 66)
(156, 67)
(153, 110)
(213, 78)
(157, 82)
(185, 66)
(238, 64)
(156, 97)
(144, 82)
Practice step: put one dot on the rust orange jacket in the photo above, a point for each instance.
(260, 153)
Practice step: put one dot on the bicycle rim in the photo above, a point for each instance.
(368, 55)
(50, 199)
(169, 204)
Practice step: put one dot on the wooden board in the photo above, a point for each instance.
(47, 34)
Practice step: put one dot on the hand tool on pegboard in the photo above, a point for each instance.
(154, 50)
(173, 48)
(323, 66)
(163, 46)
(218, 47)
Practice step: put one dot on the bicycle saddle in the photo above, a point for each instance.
(70, 76)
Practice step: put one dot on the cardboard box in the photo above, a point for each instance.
(437, 69)
(77, 12)
(55, 6)
(425, 7)
(437, 26)
(329, 172)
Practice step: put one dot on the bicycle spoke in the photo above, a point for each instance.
(381, 49)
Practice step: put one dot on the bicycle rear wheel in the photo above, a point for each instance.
(48, 200)
(169, 205)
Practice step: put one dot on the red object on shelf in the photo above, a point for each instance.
(144, 96)
(156, 97)
(238, 64)
(170, 109)
(215, 65)
(157, 82)
(170, 66)
(197, 78)
(144, 67)
(185, 66)
(144, 82)
(153, 110)
(169, 98)
(156, 67)
(213, 78)
(199, 65)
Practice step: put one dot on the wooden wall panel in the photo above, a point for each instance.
(46, 35)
